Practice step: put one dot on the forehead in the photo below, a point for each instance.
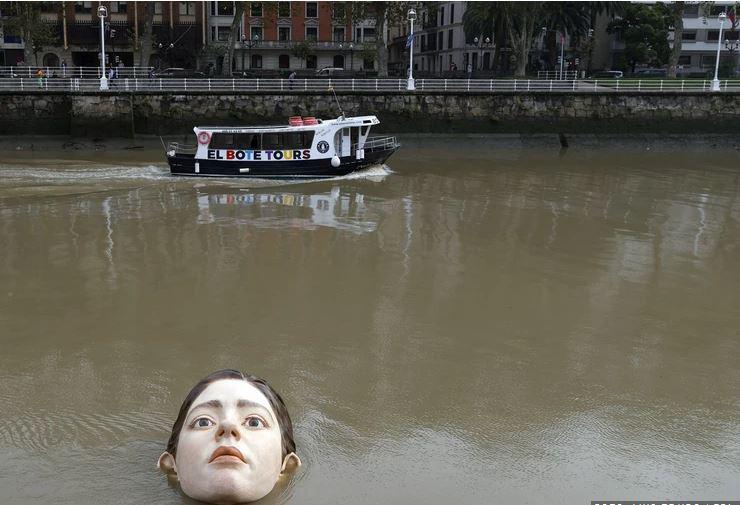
(230, 391)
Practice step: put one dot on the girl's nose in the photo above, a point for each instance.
(228, 429)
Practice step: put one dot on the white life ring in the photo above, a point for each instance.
(204, 138)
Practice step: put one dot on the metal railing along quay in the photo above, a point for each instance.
(462, 86)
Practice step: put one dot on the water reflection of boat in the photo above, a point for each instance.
(334, 209)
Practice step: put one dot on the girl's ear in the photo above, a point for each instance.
(290, 463)
(167, 465)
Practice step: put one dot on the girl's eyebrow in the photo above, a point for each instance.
(250, 403)
(239, 404)
(210, 403)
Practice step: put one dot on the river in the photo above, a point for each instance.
(471, 324)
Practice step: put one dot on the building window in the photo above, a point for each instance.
(452, 13)
(338, 61)
(311, 61)
(337, 11)
(284, 61)
(714, 10)
(368, 64)
(256, 61)
(255, 32)
(312, 9)
(283, 9)
(449, 39)
(691, 36)
(312, 33)
(187, 8)
(83, 8)
(441, 16)
(224, 8)
(338, 34)
(691, 11)
(707, 60)
(223, 33)
(284, 33)
(118, 8)
(255, 9)
(713, 35)
(449, 62)
(684, 59)
(440, 40)
(423, 44)
(158, 8)
(368, 34)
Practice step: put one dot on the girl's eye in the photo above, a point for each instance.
(203, 422)
(254, 422)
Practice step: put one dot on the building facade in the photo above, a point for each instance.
(177, 34)
(292, 35)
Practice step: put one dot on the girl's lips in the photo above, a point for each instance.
(227, 450)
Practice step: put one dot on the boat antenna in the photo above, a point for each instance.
(331, 88)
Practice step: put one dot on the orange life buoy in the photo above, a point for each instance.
(204, 137)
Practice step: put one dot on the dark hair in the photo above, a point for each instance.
(276, 402)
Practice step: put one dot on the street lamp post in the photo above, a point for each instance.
(165, 54)
(352, 56)
(102, 14)
(715, 81)
(410, 84)
(481, 44)
(562, 46)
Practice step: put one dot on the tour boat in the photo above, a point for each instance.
(305, 147)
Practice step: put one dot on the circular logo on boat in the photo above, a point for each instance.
(322, 146)
(204, 137)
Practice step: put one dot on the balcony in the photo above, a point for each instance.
(319, 45)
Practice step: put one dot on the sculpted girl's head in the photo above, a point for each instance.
(232, 440)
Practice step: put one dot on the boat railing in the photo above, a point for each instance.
(179, 148)
(378, 144)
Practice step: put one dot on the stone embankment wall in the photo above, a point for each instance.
(123, 115)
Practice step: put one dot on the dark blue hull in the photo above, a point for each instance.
(182, 164)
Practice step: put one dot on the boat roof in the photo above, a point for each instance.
(340, 121)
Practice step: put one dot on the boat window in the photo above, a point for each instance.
(248, 141)
(298, 140)
(222, 141)
(272, 140)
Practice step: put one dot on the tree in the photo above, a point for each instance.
(239, 8)
(521, 21)
(24, 18)
(673, 14)
(384, 14)
(302, 50)
(645, 35)
(485, 20)
(145, 38)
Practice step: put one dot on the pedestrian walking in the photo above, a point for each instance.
(470, 70)
(64, 67)
(40, 76)
(291, 78)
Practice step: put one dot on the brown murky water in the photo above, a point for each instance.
(476, 325)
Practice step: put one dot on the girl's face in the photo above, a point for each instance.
(229, 449)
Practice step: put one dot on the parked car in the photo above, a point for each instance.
(179, 73)
(608, 74)
(651, 72)
(332, 72)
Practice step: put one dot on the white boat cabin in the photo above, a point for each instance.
(341, 137)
